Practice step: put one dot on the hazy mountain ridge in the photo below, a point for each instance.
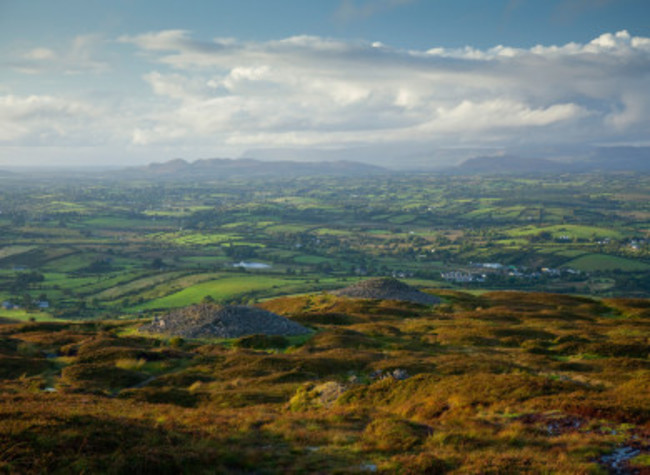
(509, 164)
(621, 159)
(250, 167)
(602, 159)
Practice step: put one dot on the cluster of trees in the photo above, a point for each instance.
(23, 281)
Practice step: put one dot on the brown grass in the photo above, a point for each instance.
(499, 383)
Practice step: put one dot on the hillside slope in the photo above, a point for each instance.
(504, 382)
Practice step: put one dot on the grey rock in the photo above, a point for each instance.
(210, 321)
(387, 288)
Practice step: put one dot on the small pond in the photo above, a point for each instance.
(252, 265)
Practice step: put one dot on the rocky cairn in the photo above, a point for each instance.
(387, 288)
(211, 321)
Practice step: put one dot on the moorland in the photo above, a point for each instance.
(504, 382)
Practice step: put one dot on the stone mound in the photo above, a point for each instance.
(387, 288)
(211, 321)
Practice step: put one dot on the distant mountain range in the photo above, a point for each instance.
(620, 159)
(509, 164)
(219, 168)
(602, 159)
(605, 159)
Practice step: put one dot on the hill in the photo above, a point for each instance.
(509, 164)
(600, 159)
(615, 159)
(223, 168)
(502, 382)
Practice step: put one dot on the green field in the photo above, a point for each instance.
(118, 291)
(311, 259)
(569, 231)
(602, 262)
(196, 239)
(219, 289)
(9, 251)
(95, 248)
(24, 316)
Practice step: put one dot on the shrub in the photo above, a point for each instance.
(393, 435)
(13, 367)
(92, 377)
(130, 363)
(311, 396)
(262, 341)
(166, 395)
(176, 342)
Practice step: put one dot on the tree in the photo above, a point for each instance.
(28, 302)
(157, 263)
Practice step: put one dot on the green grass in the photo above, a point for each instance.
(190, 238)
(205, 260)
(569, 253)
(219, 289)
(176, 285)
(177, 211)
(311, 259)
(603, 262)
(287, 228)
(402, 219)
(24, 316)
(118, 291)
(72, 262)
(112, 222)
(66, 207)
(510, 212)
(9, 251)
(91, 284)
(334, 232)
(570, 230)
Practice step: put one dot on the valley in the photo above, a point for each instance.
(96, 247)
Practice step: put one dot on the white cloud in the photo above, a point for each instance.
(42, 119)
(78, 56)
(500, 113)
(166, 40)
(307, 91)
(40, 54)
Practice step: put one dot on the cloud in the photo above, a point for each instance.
(350, 10)
(166, 40)
(78, 56)
(40, 54)
(307, 90)
(225, 96)
(42, 118)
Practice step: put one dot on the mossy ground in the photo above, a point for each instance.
(500, 382)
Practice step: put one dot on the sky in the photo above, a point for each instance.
(394, 82)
